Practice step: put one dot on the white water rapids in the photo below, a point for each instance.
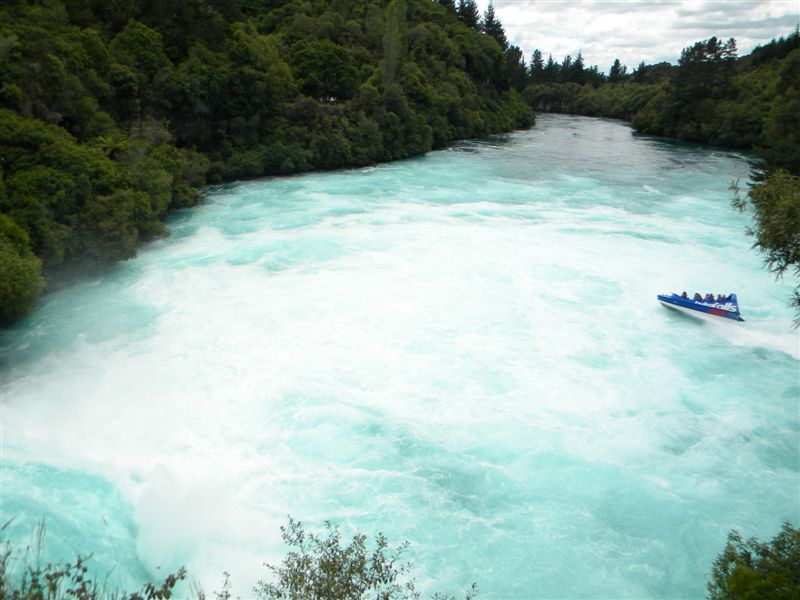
(463, 350)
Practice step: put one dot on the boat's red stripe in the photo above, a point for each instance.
(719, 312)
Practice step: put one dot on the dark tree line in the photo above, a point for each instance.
(569, 70)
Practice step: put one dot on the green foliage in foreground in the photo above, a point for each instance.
(319, 567)
(753, 570)
(24, 578)
(325, 567)
(322, 567)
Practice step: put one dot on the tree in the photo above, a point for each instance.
(780, 144)
(705, 70)
(776, 49)
(24, 578)
(646, 74)
(749, 569)
(617, 72)
(593, 76)
(323, 68)
(639, 73)
(492, 26)
(565, 71)
(517, 71)
(776, 228)
(551, 70)
(393, 40)
(324, 568)
(468, 13)
(536, 66)
(578, 74)
(139, 57)
(21, 279)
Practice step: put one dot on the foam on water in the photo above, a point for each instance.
(462, 350)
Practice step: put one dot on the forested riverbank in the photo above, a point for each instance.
(111, 115)
(712, 96)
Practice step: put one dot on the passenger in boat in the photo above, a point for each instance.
(697, 296)
(721, 298)
(709, 297)
(684, 295)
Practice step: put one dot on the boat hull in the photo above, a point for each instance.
(705, 310)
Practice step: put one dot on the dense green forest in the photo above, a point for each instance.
(711, 96)
(114, 112)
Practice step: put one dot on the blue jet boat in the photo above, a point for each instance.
(729, 309)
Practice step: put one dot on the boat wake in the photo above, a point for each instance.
(761, 334)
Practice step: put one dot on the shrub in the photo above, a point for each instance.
(749, 569)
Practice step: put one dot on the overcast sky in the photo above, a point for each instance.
(639, 30)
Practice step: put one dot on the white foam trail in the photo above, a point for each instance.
(770, 335)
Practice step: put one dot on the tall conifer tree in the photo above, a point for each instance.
(517, 70)
(565, 70)
(617, 72)
(492, 26)
(468, 13)
(537, 66)
(551, 69)
(578, 72)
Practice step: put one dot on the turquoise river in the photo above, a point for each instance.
(463, 350)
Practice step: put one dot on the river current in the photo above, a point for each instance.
(463, 350)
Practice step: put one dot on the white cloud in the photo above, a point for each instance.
(639, 30)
